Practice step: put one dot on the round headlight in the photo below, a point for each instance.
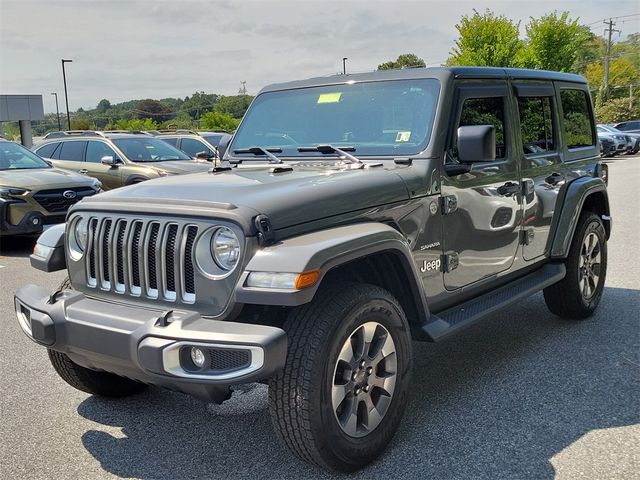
(81, 233)
(225, 248)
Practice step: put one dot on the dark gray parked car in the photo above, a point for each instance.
(352, 214)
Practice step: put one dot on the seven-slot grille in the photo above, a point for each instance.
(147, 258)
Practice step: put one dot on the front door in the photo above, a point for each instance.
(482, 208)
(109, 175)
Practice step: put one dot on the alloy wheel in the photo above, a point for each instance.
(364, 379)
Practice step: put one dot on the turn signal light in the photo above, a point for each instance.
(307, 279)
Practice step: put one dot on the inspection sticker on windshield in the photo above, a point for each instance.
(329, 97)
(403, 136)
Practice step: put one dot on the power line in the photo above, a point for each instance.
(613, 18)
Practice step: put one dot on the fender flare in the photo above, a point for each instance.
(573, 201)
(49, 254)
(325, 250)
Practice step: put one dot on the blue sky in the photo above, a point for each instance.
(155, 49)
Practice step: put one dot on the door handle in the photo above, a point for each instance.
(509, 188)
(83, 171)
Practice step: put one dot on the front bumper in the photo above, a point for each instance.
(149, 345)
(30, 224)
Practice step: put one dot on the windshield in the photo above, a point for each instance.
(17, 157)
(377, 118)
(145, 149)
(607, 129)
(213, 139)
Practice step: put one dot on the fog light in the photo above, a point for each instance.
(197, 357)
(35, 220)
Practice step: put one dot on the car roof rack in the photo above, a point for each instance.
(73, 133)
(175, 132)
(130, 132)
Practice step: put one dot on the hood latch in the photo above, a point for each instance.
(266, 235)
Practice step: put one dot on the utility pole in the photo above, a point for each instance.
(344, 65)
(66, 96)
(57, 110)
(605, 85)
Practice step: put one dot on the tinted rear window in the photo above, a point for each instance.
(47, 150)
(577, 118)
(72, 151)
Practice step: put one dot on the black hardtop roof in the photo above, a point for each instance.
(440, 73)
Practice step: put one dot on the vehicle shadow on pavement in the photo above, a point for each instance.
(497, 401)
(17, 246)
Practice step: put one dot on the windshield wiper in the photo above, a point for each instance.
(262, 151)
(343, 151)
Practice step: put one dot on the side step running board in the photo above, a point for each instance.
(456, 318)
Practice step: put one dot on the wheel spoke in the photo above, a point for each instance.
(373, 419)
(347, 354)
(585, 289)
(338, 394)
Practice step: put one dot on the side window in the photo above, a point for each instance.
(486, 111)
(97, 150)
(171, 141)
(192, 147)
(536, 124)
(47, 151)
(72, 151)
(577, 118)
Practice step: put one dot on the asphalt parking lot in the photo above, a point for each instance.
(522, 395)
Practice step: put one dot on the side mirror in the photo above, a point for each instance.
(109, 160)
(476, 143)
(223, 145)
(203, 155)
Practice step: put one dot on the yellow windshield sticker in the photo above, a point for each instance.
(329, 97)
(403, 136)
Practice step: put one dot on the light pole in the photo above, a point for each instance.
(66, 96)
(57, 110)
(344, 65)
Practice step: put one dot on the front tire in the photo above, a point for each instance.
(344, 388)
(579, 293)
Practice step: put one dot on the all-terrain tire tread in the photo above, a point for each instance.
(305, 327)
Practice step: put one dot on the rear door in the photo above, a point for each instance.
(481, 228)
(543, 172)
(109, 175)
(70, 155)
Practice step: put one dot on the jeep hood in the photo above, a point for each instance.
(43, 178)
(289, 198)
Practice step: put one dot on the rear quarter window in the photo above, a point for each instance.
(577, 118)
(47, 151)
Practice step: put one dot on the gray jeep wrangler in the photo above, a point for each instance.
(351, 215)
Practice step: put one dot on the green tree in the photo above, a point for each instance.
(617, 110)
(622, 72)
(198, 103)
(234, 105)
(403, 61)
(11, 131)
(152, 108)
(553, 42)
(487, 40)
(80, 124)
(134, 124)
(218, 121)
(103, 106)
